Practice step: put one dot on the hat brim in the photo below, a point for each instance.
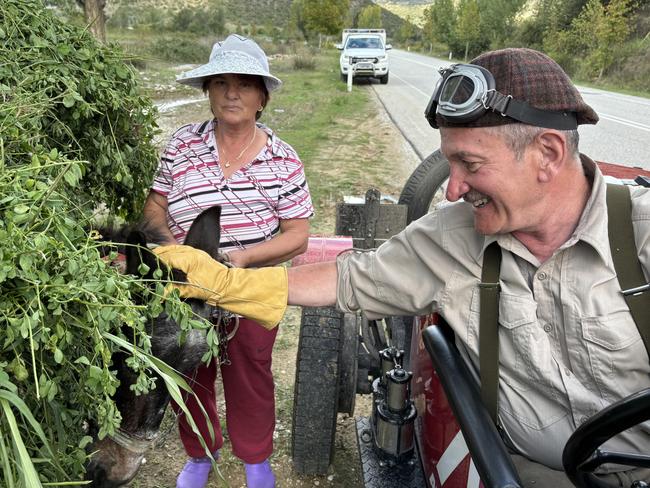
(230, 63)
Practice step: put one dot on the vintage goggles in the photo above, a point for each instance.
(465, 92)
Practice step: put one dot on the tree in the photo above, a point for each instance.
(324, 16)
(440, 23)
(497, 19)
(406, 31)
(468, 31)
(370, 17)
(96, 17)
(602, 28)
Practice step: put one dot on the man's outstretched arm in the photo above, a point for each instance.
(313, 285)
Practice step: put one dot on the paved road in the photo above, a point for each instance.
(622, 135)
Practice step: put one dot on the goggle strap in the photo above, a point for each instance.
(521, 111)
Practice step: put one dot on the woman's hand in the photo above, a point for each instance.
(237, 258)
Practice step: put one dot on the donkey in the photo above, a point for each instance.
(117, 458)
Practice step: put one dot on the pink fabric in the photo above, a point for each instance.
(249, 394)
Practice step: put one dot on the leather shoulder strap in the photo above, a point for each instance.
(489, 328)
(626, 258)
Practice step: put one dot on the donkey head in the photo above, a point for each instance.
(116, 459)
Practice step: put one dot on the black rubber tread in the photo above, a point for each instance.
(423, 184)
(315, 399)
(384, 79)
(348, 364)
(380, 473)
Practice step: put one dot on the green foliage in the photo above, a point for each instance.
(440, 22)
(370, 17)
(304, 63)
(179, 50)
(73, 133)
(468, 34)
(85, 104)
(596, 33)
(324, 16)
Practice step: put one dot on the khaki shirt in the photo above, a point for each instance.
(568, 344)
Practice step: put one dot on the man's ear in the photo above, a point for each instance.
(552, 153)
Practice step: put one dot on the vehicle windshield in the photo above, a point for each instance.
(364, 43)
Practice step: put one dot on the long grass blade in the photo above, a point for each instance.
(29, 474)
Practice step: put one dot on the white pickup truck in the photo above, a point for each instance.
(365, 52)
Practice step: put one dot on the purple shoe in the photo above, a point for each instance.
(195, 472)
(259, 475)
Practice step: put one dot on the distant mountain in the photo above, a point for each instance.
(262, 13)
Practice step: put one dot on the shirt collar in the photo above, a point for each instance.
(592, 226)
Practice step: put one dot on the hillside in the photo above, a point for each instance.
(263, 13)
(405, 9)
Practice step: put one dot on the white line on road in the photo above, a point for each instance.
(428, 95)
(629, 123)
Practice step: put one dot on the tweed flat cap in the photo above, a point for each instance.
(532, 77)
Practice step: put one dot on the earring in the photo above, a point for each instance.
(260, 109)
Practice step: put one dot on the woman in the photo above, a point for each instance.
(259, 182)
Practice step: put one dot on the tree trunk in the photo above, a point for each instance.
(96, 18)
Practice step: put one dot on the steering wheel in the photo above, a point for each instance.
(582, 455)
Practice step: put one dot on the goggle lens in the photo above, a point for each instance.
(457, 90)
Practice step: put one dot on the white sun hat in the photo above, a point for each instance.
(237, 55)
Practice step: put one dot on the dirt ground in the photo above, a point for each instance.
(164, 462)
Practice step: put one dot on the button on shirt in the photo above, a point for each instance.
(568, 344)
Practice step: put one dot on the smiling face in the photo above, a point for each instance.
(504, 191)
(235, 99)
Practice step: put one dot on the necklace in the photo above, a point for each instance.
(227, 161)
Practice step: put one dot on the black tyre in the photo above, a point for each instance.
(383, 79)
(423, 184)
(316, 396)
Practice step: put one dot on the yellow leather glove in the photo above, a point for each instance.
(258, 294)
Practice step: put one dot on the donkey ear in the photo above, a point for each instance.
(205, 231)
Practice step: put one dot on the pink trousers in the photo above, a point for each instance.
(249, 393)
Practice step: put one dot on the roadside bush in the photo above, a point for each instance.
(182, 50)
(307, 63)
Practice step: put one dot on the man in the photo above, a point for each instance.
(568, 344)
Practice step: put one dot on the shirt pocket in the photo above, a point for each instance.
(617, 357)
(521, 355)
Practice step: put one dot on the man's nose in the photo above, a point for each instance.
(456, 186)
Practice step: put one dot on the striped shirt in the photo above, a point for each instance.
(253, 199)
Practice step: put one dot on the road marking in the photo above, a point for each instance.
(629, 123)
(409, 84)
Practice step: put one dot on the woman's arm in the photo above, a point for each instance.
(155, 212)
(292, 240)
